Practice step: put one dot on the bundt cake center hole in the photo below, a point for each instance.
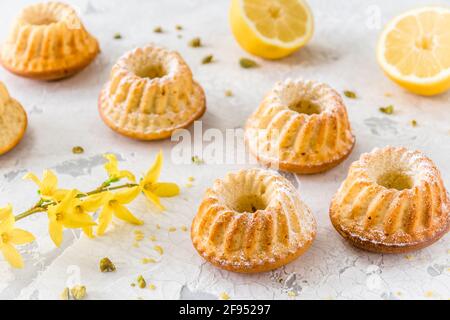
(249, 203)
(151, 71)
(395, 180)
(306, 107)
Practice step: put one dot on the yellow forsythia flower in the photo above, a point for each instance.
(81, 208)
(62, 215)
(153, 189)
(112, 167)
(48, 186)
(114, 205)
(9, 236)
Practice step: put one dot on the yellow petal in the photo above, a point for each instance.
(59, 194)
(165, 189)
(111, 165)
(68, 201)
(104, 220)
(75, 221)
(49, 183)
(12, 255)
(92, 203)
(127, 195)
(153, 198)
(153, 174)
(6, 219)
(124, 214)
(56, 232)
(88, 231)
(127, 174)
(19, 236)
(31, 176)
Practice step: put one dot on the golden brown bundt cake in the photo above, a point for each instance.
(302, 127)
(13, 121)
(252, 221)
(48, 42)
(392, 201)
(151, 93)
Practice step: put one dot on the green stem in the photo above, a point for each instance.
(42, 206)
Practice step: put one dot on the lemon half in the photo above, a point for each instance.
(414, 50)
(271, 29)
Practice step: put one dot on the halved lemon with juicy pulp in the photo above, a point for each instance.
(414, 50)
(271, 29)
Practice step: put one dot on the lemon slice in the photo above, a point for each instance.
(414, 50)
(271, 29)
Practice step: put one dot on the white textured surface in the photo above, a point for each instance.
(64, 114)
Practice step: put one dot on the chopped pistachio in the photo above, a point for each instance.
(106, 265)
(77, 150)
(224, 296)
(159, 249)
(141, 282)
(117, 36)
(179, 27)
(148, 260)
(208, 59)
(65, 295)
(387, 110)
(184, 228)
(151, 286)
(191, 179)
(133, 285)
(189, 185)
(228, 93)
(78, 292)
(158, 29)
(414, 123)
(247, 63)
(172, 229)
(152, 238)
(195, 43)
(292, 293)
(197, 160)
(158, 226)
(350, 94)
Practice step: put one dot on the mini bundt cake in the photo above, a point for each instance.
(151, 93)
(302, 127)
(13, 121)
(48, 42)
(252, 221)
(392, 201)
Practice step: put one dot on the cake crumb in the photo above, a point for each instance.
(172, 229)
(151, 286)
(429, 294)
(409, 257)
(152, 238)
(228, 93)
(158, 29)
(184, 228)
